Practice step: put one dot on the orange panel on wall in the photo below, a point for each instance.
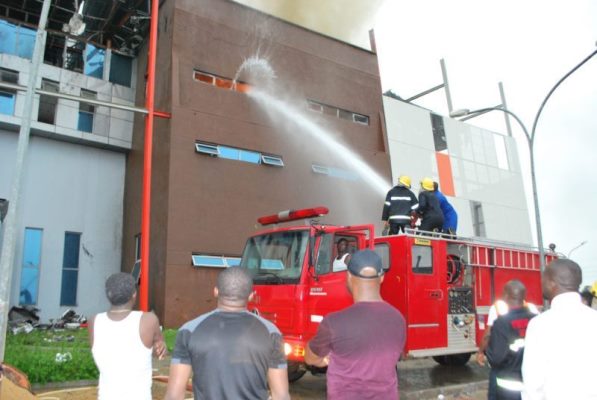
(444, 166)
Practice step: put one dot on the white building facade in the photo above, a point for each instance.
(70, 224)
(478, 170)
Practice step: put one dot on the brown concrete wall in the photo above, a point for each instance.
(213, 203)
(160, 161)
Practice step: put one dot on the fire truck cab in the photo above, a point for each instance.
(443, 287)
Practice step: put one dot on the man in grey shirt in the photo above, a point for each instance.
(232, 353)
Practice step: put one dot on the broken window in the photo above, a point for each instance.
(94, 61)
(8, 96)
(30, 268)
(16, 40)
(121, 69)
(86, 111)
(340, 113)
(47, 104)
(74, 55)
(54, 51)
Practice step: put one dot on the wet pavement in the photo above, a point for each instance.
(418, 379)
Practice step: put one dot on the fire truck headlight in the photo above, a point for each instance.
(287, 349)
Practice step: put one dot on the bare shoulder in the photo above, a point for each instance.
(149, 320)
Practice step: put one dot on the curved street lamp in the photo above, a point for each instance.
(530, 141)
(581, 244)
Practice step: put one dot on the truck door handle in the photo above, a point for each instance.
(435, 294)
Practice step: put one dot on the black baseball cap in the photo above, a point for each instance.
(363, 259)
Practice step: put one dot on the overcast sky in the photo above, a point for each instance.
(528, 45)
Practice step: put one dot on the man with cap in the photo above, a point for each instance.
(399, 206)
(361, 344)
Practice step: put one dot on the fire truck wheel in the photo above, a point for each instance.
(453, 359)
(295, 371)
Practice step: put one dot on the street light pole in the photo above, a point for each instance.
(581, 244)
(7, 254)
(530, 141)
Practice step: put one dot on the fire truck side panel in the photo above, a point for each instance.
(426, 294)
(394, 253)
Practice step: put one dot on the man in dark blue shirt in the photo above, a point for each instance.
(232, 353)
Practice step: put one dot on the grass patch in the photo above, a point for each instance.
(35, 354)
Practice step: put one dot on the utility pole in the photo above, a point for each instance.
(7, 255)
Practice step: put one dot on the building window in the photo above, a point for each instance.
(501, 152)
(31, 266)
(74, 55)
(137, 247)
(94, 61)
(16, 40)
(478, 220)
(340, 113)
(54, 51)
(86, 111)
(203, 260)
(121, 69)
(47, 104)
(334, 172)
(8, 96)
(439, 134)
(70, 269)
(219, 81)
(233, 153)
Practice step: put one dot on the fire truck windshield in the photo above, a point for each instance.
(277, 257)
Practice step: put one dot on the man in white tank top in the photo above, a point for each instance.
(343, 257)
(122, 341)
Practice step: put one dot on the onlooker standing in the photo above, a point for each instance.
(560, 353)
(400, 204)
(122, 341)
(232, 353)
(432, 218)
(362, 343)
(506, 342)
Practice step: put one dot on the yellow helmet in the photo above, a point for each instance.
(594, 289)
(404, 180)
(427, 184)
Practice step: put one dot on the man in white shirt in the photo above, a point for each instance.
(560, 348)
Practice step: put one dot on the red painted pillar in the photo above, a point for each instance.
(147, 158)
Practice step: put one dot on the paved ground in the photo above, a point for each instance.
(421, 379)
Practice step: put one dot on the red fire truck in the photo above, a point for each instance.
(443, 287)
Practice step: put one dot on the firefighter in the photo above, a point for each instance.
(506, 342)
(450, 215)
(432, 218)
(399, 207)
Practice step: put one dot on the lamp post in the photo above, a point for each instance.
(530, 141)
(581, 244)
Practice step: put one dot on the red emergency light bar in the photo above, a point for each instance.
(293, 215)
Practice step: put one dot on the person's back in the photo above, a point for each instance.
(561, 341)
(123, 360)
(506, 349)
(450, 216)
(368, 338)
(230, 353)
(561, 350)
(361, 344)
(399, 204)
(430, 211)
